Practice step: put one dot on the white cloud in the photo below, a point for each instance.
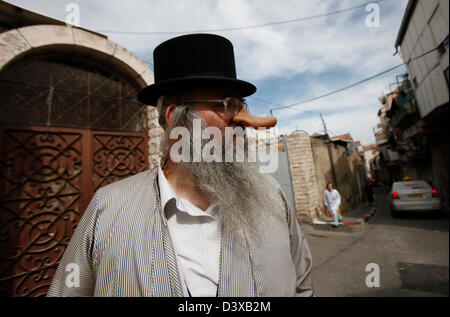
(354, 111)
(359, 124)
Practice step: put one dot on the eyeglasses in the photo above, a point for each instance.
(231, 105)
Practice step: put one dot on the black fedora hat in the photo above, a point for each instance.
(194, 61)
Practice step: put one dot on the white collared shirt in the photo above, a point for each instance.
(196, 238)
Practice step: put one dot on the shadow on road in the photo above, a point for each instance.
(424, 277)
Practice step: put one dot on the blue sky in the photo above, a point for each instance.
(288, 63)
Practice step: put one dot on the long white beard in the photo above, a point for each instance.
(244, 196)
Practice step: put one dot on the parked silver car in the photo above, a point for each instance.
(410, 196)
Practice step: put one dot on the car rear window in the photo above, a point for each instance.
(411, 185)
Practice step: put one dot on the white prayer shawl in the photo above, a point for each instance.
(332, 200)
(122, 247)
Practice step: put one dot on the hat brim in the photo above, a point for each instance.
(150, 94)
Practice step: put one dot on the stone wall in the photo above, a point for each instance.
(304, 181)
(353, 185)
(323, 168)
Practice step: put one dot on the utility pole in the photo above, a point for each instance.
(324, 125)
(330, 153)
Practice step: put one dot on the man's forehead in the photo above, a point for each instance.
(203, 93)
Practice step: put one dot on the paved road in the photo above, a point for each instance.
(411, 252)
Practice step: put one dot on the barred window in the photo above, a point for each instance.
(73, 93)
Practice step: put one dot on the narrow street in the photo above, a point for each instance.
(412, 253)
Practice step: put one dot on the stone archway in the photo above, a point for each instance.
(22, 41)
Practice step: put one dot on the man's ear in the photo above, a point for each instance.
(168, 115)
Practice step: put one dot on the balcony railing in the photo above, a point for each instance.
(403, 112)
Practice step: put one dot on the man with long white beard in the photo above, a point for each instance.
(191, 227)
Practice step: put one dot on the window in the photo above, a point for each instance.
(63, 92)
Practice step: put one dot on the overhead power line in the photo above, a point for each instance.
(326, 94)
(349, 86)
(237, 28)
(340, 89)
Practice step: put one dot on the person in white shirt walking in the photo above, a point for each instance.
(332, 201)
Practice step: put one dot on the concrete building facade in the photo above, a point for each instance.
(423, 43)
(417, 129)
(370, 152)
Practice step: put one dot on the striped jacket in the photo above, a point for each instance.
(122, 247)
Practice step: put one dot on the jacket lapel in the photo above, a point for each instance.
(165, 279)
(236, 273)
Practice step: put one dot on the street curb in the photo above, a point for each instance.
(370, 214)
(345, 226)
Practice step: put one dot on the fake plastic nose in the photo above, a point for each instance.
(246, 119)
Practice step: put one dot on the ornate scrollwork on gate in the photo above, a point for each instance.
(117, 156)
(40, 206)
